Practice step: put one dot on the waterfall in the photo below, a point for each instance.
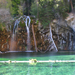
(13, 44)
(16, 24)
(27, 21)
(28, 32)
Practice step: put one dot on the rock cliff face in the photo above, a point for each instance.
(71, 20)
(20, 42)
(63, 31)
(63, 35)
(4, 40)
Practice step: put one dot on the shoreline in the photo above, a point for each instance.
(32, 51)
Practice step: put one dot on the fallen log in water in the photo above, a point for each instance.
(33, 61)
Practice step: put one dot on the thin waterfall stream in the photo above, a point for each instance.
(27, 21)
(13, 42)
(28, 32)
(13, 37)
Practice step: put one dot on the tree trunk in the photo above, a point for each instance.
(34, 38)
(71, 4)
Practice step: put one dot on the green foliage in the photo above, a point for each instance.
(37, 22)
(20, 11)
(47, 10)
(73, 1)
(14, 6)
(62, 8)
(34, 9)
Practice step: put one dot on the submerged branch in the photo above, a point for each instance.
(52, 39)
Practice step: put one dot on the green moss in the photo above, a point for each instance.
(37, 22)
(26, 47)
(7, 40)
(22, 24)
(32, 18)
(2, 26)
(31, 21)
(39, 45)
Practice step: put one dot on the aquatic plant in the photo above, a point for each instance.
(33, 62)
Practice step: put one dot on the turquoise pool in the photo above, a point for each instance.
(62, 68)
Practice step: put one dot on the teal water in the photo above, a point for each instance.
(39, 68)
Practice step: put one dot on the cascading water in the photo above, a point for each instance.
(27, 21)
(13, 38)
(16, 24)
(28, 32)
(13, 43)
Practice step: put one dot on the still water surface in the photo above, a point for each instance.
(40, 68)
